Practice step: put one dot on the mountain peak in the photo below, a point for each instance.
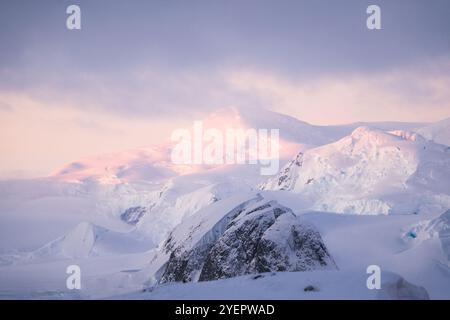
(362, 131)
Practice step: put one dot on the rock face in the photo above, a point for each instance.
(286, 178)
(257, 236)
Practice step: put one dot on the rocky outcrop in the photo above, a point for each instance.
(255, 237)
(133, 215)
(285, 179)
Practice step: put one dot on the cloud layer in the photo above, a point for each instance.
(137, 70)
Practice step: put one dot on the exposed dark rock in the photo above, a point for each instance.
(285, 178)
(133, 215)
(310, 288)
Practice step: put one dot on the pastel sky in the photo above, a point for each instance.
(138, 69)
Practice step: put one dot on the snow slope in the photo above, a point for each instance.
(287, 285)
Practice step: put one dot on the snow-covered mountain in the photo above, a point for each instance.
(371, 172)
(134, 220)
(142, 164)
(145, 180)
(153, 164)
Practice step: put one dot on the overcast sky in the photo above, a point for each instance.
(136, 69)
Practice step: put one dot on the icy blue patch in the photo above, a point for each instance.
(412, 234)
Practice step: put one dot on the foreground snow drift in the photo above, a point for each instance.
(287, 285)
